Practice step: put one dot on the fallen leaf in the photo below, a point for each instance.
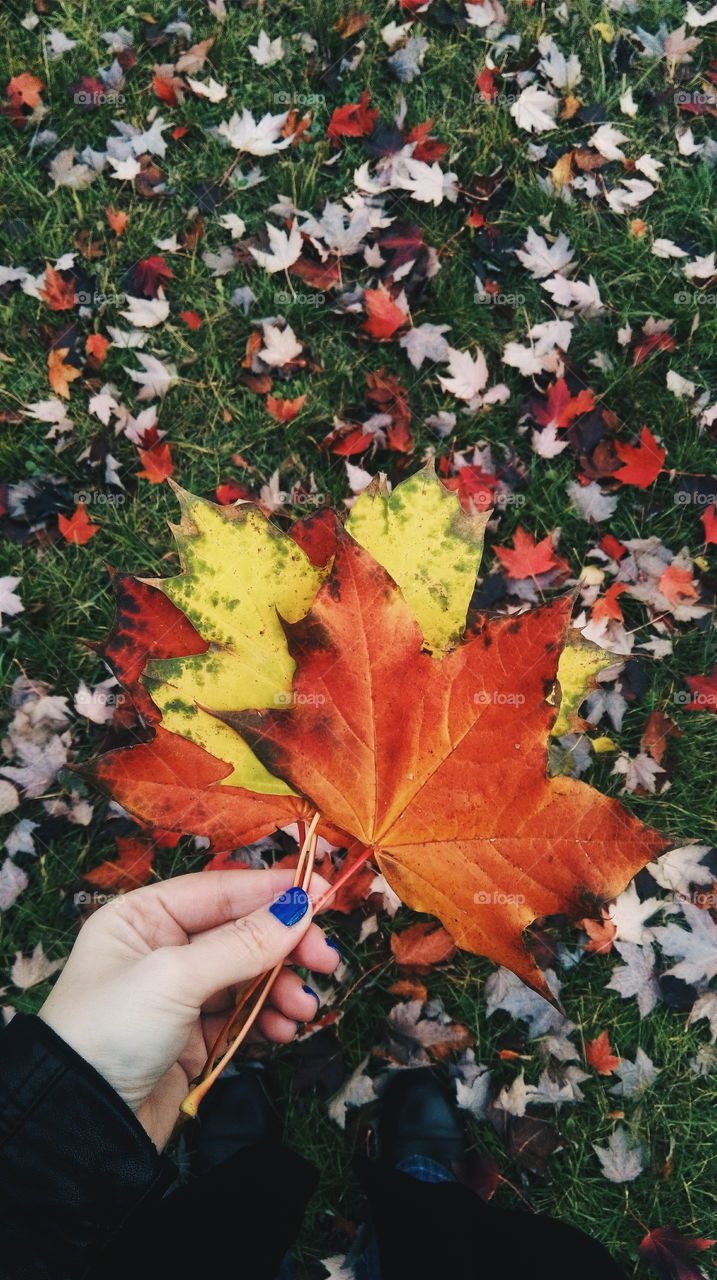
(77, 528)
(422, 946)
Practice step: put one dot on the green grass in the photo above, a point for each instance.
(209, 417)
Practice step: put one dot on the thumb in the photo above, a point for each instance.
(244, 948)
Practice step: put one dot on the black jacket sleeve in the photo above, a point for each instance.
(75, 1163)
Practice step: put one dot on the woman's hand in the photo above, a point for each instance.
(152, 977)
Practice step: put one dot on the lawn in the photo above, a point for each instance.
(529, 143)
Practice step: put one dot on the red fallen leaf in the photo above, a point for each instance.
(474, 487)
(117, 219)
(147, 625)
(421, 946)
(528, 558)
(612, 547)
(658, 728)
(167, 86)
(383, 316)
(642, 462)
(149, 274)
(475, 219)
(607, 606)
(321, 275)
(426, 148)
(87, 92)
(60, 374)
(409, 989)
(599, 1055)
(480, 1173)
(191, 319)
(676, 585)
(225, 861)
(485, 82)
(156, 463)
(133, 867)
(231, 492)
(96, 347)
(26, 88)
(414, 6)
(77, 528)
(179, 132)
(709, 520)
(601, 934)
(59, 294)
(386, 394)
(316, 535)
(161, 838)
(284, 410)
(704, 692)
(560, 407)
(354, 892)
(669, 1254)
(355, 120)
(347, 439)
(652, 342)
(171, 779)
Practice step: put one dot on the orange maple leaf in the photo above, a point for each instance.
(132, 868)
(284, 410)
(642, 462)
(156, 462)
(421, 946)
(59, 294)
(439, 767)
(383, 316)
(77, 528)
(599, 1055)
(528, 558)
(59, 373)
(97, 346)
(676, 585)
(25, 89)
(117, 219)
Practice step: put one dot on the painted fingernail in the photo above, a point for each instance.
(330, 943)
(290, 906)
(310, 992)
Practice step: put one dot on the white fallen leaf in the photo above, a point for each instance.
(535, 110)
(284, 251)
(358, 1090)
(663, 248)
(260, 138)
(125, 170)
(505, 990)
(636, 976)
(705, 1006)
(27, 971)
(694, 947)
(9, 797)
(65, 173)
(590, 501)
(631, 193)
(629, 915)
(12, 882)
(542, 259)
(10, 602)
(280, 345)
(156, 379)
(266, 52)
(679, 869)
(426, 342)
(211, 90)
(607, 141)
(634, 1077)
(146, 313)
(621, 1159)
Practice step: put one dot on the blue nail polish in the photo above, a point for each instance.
(330, 943)
(289, 907)
(310, 992)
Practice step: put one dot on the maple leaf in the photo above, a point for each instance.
(670, 1254)
(621, 1160)
(96, 347)
(419, 763)
(156, 462)
(148, 275)
(284, 410)
(528, 558)
(132, 868)
(192, 320)
(355, 120)
(60, 373)
(421, 946)
(599, 1055)
(704, 692)
(28, 971)
(285, 248)
(383, 316)
(117, 219)
(642, 462)
(77, 528)
(59, 294)
(709, 520)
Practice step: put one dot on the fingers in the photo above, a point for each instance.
(291, 1002)
(237, 951)
(206, 899)
(315, 952)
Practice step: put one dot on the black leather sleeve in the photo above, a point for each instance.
(75, 1163)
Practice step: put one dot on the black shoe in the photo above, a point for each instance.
(419, 1116)
(238, 1111)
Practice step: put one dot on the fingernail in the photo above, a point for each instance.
(330, 943)
(289, 907)
(310, 992)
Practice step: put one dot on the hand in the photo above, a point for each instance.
(152, 978)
